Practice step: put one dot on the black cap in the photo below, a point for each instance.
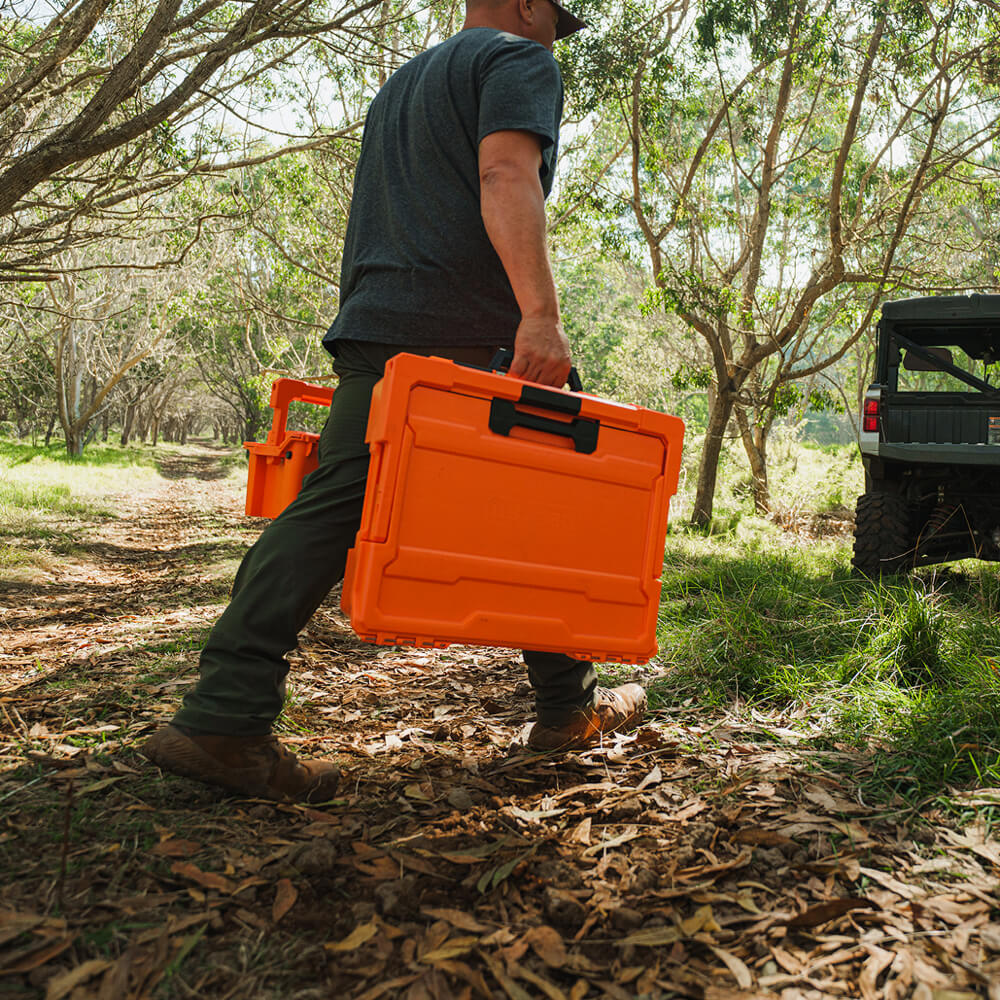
(567, 23)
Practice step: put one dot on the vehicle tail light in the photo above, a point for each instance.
(870, 415)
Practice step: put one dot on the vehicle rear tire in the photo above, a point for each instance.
(883, 535)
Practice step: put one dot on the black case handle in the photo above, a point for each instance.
(504, 416)
(503, 358)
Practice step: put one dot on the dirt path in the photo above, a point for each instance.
(704, 856)
(127, 571)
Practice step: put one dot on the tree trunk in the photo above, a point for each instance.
(74, 440)
(708, 468)
(128, 419)
(142, 425)
(754, 437)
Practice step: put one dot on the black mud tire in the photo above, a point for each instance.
(883, 535)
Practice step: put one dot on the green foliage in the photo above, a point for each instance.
(909, 669)
(759, 97)
(765, 25)
(691, 377)
(901, 639)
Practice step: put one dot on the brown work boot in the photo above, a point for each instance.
(256, 766)
(613, 710)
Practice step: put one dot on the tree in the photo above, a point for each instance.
(93, 328)
(107, 103)
(778, 153)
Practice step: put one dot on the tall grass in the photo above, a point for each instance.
(765, 612)
(907, 667)
(101, 471)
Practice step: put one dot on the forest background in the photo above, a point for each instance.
(741, 185)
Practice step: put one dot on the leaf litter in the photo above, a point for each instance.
(694, 858)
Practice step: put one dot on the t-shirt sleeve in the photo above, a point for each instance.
(520, 89)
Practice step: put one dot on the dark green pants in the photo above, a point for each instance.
(301, 555)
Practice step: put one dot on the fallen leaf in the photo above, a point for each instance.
(534, 815)
(174, 847)
(701, 920)
(879, 960)
(759, 837)
(450, 949)
(822, 798)
(653, 778)
(61, 985)
(786, 960)
(457, 918)
(97, 786)
(357, 937)
(549, 989)
(13, 924)
(207, 880)
(689, 810)
(419, 792)
(703, 871)
(474, 855)
(284, 898)
(509, 986)
(581, 832)
(547, 944)
(36, 956)
(653, 937)
(389, 986)
(740, 972)
(989, 934)
(622, 838)
(820, 914)
(380, 868)
(492, 877)
(745, 901)
(890, 883)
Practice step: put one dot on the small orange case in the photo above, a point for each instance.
(499, 512)
(278, 465)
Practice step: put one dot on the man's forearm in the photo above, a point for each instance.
(513, 208)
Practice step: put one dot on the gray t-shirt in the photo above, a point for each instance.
(418, 267)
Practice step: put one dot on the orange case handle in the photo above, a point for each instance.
(286, 391)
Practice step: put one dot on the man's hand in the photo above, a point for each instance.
(513, 208)
(541, 351)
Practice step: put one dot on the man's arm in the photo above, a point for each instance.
(513, 208)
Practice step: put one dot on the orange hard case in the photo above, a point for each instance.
(279, 464)
(503, 513)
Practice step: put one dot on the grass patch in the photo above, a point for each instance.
(50, 500)
(13, 452)
(908, 668)
(47, 498)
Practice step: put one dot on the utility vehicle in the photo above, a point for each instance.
(930, 436)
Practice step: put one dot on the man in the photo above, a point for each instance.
(445, 255)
